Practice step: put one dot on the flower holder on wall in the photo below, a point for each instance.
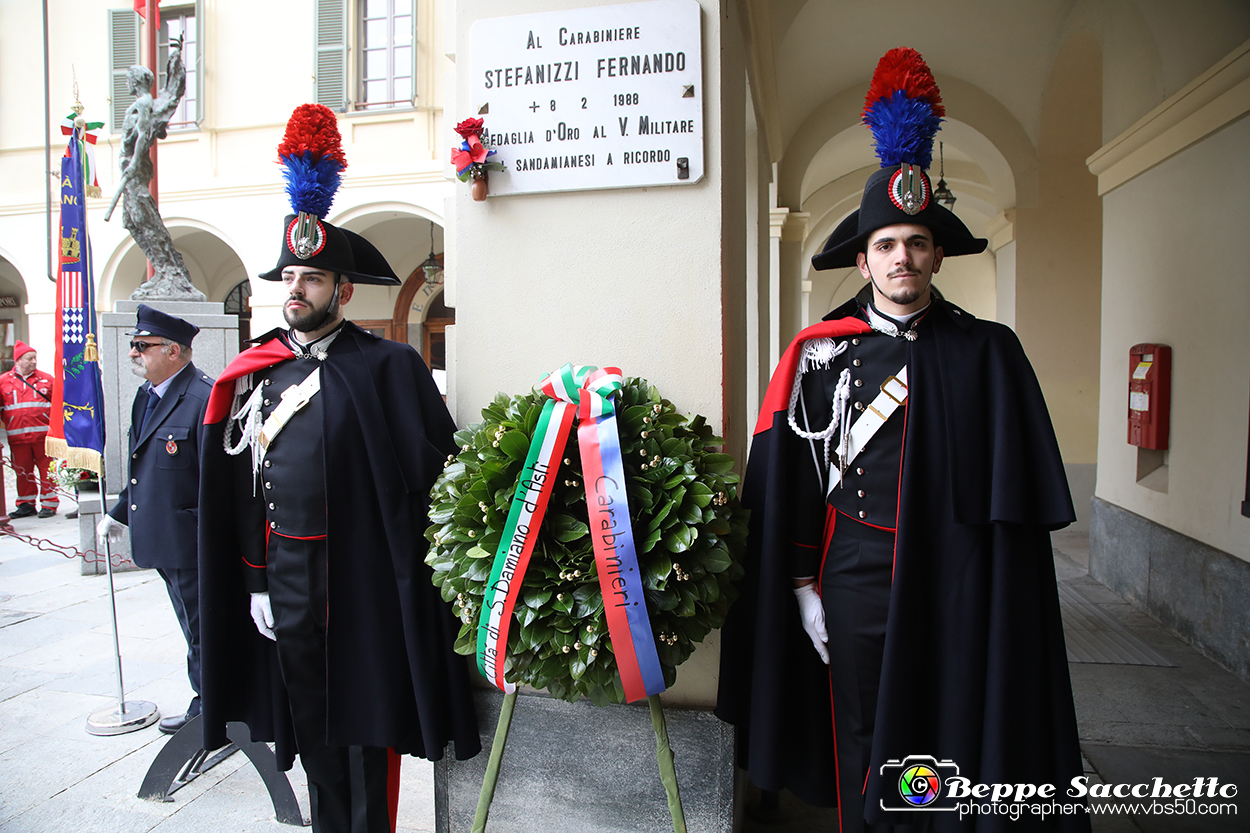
(472, 159)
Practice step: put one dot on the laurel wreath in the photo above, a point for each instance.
(689, 531)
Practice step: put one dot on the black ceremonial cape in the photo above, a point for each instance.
(975, 668)
(393, 678)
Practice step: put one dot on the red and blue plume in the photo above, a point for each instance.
(903, 109)
(312, 159)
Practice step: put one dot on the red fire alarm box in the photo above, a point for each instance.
(1149, 395)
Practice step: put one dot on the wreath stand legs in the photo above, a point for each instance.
(492, 766)
(663, 756)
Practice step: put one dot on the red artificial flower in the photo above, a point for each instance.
(470, 128)
(470, 152)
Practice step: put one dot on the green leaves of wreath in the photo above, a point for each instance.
(689, 529)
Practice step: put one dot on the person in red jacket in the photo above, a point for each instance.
(26, 394)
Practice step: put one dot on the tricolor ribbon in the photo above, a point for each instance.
(585, 393)
(87, 142)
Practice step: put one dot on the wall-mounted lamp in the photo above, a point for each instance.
(432, 268)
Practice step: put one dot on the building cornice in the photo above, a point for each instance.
(1218, 97)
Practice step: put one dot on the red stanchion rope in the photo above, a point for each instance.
(45, 545)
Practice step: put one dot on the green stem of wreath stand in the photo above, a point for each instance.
(492, 766)
(664, 757)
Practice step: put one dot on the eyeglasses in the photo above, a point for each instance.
(140, 346)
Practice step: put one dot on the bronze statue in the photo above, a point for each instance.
(146, 121)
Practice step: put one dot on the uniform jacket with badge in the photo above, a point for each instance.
(160, 502)
(393, 679)
(27, 404)
(975, 668)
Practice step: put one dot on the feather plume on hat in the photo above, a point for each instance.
(903, 109)
(312, 159)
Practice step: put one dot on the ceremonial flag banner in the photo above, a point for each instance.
(585, 393)
(76, 432)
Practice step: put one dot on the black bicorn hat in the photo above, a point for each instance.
(903, 110)
(309, 241)
(152, 322)
(313, 162)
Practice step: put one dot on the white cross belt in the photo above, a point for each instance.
(893, 394)
(293, 399)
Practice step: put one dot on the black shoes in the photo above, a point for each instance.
(45, 512)
(23, 510)
(171, 725)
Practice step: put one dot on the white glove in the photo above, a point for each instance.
(110, 529)
(812, 614)
(262, 615)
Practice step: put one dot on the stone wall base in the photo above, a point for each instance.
(575, 767)
(1201, 593)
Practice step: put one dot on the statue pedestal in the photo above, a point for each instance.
(215, 345)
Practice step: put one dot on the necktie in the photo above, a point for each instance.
(153, 399)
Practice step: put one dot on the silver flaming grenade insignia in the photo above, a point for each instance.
(305, 236)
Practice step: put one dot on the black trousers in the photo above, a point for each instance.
(184, 592)
(352, 789)
(855, 593)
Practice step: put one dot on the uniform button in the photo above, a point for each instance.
(860, 472)
(273, 524)
(268, 485)
(863, 514)
(269, 381)
(134, 456)
(271, 506)
(861, 493)
(859, 383)
(855, 342)
(859, 406)
(857, 362)
(134, 507)
(134, 482)
(266, 401)
(267, 463)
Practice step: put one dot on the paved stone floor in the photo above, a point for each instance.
(57, 668)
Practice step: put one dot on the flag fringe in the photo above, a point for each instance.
(79, 458)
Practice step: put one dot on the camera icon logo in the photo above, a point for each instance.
(919, 779)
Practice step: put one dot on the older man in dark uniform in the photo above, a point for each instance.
(903, 481)
(160, 501)
(325, 441)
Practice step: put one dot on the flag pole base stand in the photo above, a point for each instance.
(138, 714)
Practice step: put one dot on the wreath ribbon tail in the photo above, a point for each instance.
(620, 578)
(520, 533)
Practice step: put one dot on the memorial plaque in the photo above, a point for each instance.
(603, 97)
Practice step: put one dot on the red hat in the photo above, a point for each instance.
(21, 349)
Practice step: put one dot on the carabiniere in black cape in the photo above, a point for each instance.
(975, 668)
(393, 678)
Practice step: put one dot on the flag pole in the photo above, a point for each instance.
(136, 714)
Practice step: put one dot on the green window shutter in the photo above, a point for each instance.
(123, 28)
(330, 86)
(199, 61)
